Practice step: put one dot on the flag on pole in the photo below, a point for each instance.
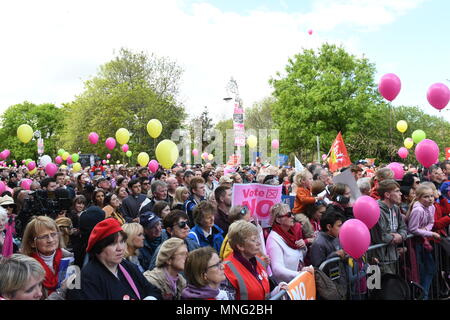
(298, 165)
(338, 154)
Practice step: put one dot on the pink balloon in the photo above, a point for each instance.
(438, 95)
(26, 184)
(403, 152)
(110, 143)
(2, 187)
(324, 157)
(397, 168)
(2, 155)
(108, 156)
(6, 153)
(104, 161)
(205, 155)
(69, 160)
(275, 144)
(367, 210)
(195, 152)
(153, 166)
(427, 151)
(93, 138)
(310, 32)
(58, 160)
(31, 165)
(389, 86)
(125, 148)
(354, 237)
(51, 169)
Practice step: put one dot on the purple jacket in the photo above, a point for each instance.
(421, 220)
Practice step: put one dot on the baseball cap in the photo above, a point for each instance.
(149, 219)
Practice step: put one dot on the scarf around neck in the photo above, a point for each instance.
(294, 234)
(51, 278)
(192, 292)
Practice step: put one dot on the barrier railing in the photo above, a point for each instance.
(406, 267)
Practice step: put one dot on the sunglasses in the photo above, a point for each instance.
(6, 206)
(289, 214)
(182, 224)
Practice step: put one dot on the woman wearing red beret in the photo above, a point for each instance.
(108, 276)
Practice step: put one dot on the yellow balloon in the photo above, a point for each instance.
(252, 141)
(63, 166)
(210, 157)
(24, 133)
(402, 126)
(143, 158)
(167, 153)
(122, 136)
(154, 128)
(76, 167)
(33, 171)
(65, 156)
(408, 143)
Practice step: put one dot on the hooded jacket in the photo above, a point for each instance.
(381, 233)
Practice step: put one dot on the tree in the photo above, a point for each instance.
(259, 116)
(321, 94)
(46, 118)
(126, 93)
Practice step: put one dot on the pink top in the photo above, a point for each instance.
(421, 220)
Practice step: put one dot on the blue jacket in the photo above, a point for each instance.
(147, 252)
(189, 206)
(215, 240)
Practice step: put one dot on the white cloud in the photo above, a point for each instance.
(50, 48)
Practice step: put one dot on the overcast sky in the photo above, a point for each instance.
(49, 48)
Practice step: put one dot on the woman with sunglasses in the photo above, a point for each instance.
(204, 272)
(42, 241)
(285, 244)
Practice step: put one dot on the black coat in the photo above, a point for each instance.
(98, 283)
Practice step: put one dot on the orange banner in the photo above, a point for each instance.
(303, 287)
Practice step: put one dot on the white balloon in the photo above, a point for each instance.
(45, 160)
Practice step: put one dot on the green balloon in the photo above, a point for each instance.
(28, 161)
(418, 136)
(75, 157)
(129, 154)
(61, 152)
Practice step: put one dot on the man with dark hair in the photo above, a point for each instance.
(142, 172)
(12, 183)
(49, 184)
(176, 226)
(435, 175)
(132, 203)
(445, 166)
(160, 175)
(145, 185)
(59, 178)
(390, 228)
(222, 195)
(179, 175)
(188, 175)
(198, 191)
(357, 171)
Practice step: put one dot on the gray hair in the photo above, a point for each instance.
(364, 185)
(158, 183)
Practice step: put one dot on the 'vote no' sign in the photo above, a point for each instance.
(259, 198)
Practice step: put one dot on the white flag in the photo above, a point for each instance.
(298, 165)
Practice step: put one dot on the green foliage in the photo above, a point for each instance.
(259, 115)
(46, 118)
(126, 93)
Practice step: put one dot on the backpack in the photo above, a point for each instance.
(328, 289)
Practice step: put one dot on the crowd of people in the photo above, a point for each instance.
(174, 234)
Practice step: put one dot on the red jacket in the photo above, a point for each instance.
(441, 216)
(246, 285)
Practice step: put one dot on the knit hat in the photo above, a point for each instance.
(167, 250)
(149, 219)
(103, 229)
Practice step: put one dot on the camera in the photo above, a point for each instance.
(42, 203)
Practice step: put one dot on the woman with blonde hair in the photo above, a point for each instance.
(170, 262)
(42, 241)
(135, 241)
(181, 195)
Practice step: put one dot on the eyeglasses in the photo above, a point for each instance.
(47, 237)
(289, 214)
(217, 265)
(182, 224)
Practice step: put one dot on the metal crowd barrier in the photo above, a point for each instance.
(405, 267)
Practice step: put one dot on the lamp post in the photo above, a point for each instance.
(238, 115)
